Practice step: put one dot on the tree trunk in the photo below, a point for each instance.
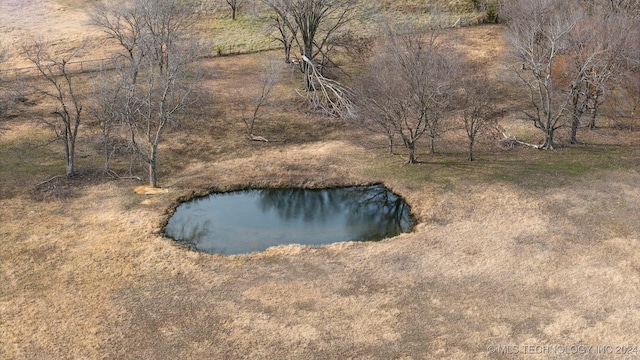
(70, 172)
(470, 150)
(548, 139)
(574, 128)
(592, 121)
(411, 146)
(306, 66)
(68, 149)
(152, 167)
(308, 85)
(577, 114)
(287, 53)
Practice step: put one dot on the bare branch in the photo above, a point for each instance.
(329, 96)
(407, 91)
(53, 68)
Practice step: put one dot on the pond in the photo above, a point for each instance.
(246, 221)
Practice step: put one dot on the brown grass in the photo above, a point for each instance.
(521, 248)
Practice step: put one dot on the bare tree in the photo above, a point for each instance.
(155, 103)
(157, 81)
(626, 102)
(235, 6)
(123, 23)
(286, 32)
(595, 61)
(409, 86)
(315, 24)
(67, 114)
(478, 114)
(328, 96)
(270, 76)
(145, 28)
(538, 33)
(104, 109)
(167, 21)
(572, 53)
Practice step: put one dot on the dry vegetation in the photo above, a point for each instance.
(523, 247)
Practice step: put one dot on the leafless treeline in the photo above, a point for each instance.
(150, 86)
(571, 56)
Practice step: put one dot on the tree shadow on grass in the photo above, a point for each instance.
(60, 187)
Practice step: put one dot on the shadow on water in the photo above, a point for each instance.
(253, 220)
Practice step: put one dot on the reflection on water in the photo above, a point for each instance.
(252, 220)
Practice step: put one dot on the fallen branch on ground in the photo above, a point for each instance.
(263, 139)
(49, 180)
(114, 175)
(329, 96)
(510, 141)
(258, 138)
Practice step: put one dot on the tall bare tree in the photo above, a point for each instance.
(596, 59)
(155, 103)
(144, 28)
(157, 80)
(538, 33)
(54, 68)
(315, 24)
(573, 53)
(270, 75)
(123, 23)
(286, 32)
(408, 90)
(478, 111)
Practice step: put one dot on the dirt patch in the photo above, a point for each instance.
(28, 20)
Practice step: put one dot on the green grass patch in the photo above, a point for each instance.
(253, 31)
(528, 168)
(532, 168)
(245, 34)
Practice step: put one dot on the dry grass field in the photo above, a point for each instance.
(524, 251)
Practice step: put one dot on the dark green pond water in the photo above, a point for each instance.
(246, 221)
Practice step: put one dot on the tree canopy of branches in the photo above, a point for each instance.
(157, 80)
(104, 111)
(478, 111)
(67, 114)
(287, 31)
(312, 24)
(538, 32)
(599, 53)
(571, 53)
(145, 28)
(409, 85)
(271, 74)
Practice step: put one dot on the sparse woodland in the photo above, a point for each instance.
(511, 128)
(575, 62)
